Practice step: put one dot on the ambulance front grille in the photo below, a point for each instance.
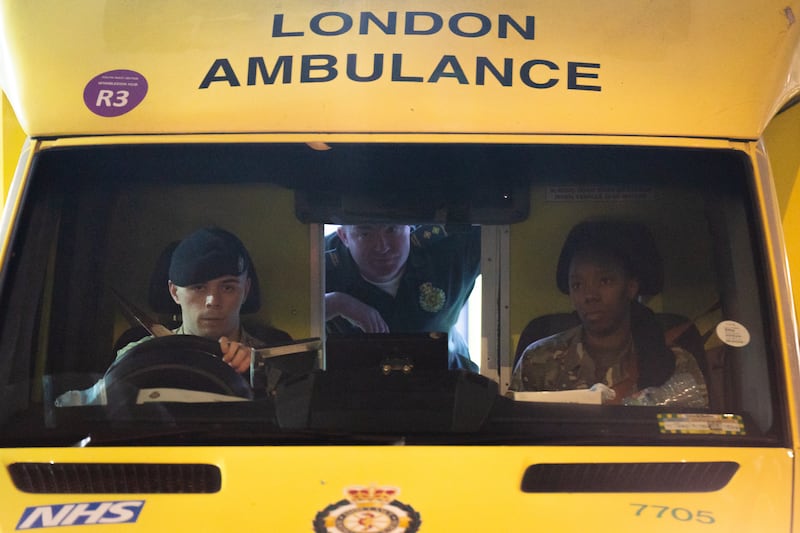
(628, 477)
(115, 478)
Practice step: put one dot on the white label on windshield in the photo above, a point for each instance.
(598, 193)
(733, 334)
(700, 424)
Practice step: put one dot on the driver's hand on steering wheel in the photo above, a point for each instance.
(236, 354)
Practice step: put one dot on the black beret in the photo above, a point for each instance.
(207, 254)
(630, 242)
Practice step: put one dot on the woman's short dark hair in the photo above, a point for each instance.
(630, 242)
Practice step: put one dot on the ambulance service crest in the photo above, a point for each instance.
(372, 509)
(431, 298)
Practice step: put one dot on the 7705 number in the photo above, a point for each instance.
(676, 513)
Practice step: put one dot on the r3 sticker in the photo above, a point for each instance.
(115, 92)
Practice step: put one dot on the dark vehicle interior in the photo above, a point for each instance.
(99, 223)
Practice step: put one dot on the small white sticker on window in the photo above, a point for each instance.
(733, 334)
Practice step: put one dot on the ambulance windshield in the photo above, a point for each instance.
(424, 293)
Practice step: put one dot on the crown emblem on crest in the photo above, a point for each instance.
(368, 508)
(371, 496)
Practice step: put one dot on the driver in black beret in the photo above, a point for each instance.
(209, 278)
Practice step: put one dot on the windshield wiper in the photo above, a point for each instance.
(226, 435)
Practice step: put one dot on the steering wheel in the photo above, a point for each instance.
(174, 361)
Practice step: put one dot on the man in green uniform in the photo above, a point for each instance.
(384, 278)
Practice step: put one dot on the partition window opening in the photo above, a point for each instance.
(468, 324)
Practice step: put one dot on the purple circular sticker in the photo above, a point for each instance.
(115, 92)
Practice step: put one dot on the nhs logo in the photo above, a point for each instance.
(80, 514)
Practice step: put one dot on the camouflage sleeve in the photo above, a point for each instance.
(529, 372)
(543, 366)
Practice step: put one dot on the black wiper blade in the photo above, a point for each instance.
(227, 435)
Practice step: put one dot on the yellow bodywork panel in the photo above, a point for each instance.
(781, 140)
(469, 489)
(702, 69)
(11, 139)
(692, 77)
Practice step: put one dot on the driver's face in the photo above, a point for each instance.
(211, 309)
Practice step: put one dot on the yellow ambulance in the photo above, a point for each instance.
(518, 124)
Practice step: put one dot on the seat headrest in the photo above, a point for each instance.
(630, 241)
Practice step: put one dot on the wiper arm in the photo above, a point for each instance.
(225, 436)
